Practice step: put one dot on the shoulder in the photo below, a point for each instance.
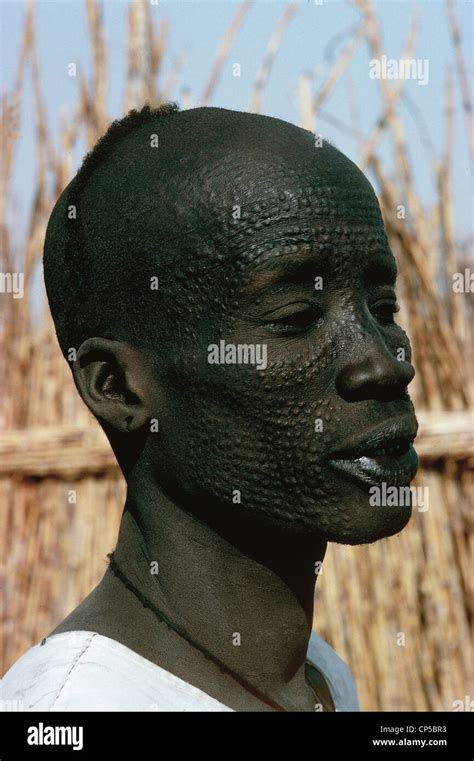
(37, 680)
(85, 671)
(336, 673)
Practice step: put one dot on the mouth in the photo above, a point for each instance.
(383, 455)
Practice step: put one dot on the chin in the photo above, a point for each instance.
(364, 512)
(365, 531)
(348, 517)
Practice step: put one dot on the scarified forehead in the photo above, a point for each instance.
(210, 183)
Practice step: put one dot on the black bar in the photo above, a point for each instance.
(166, 735)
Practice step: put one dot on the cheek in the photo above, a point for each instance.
(271, 419)
(261, 433)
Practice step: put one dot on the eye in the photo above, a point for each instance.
(293, 322)
(383, 311)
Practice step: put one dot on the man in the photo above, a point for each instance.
(225, 288)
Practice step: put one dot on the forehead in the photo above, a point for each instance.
(343, 254)
(249, 206)
(251, 202)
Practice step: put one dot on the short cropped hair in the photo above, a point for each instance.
(87, 293)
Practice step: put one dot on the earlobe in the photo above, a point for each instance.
(109, 376)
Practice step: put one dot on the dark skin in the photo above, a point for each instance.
(248, 566)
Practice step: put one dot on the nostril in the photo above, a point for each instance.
(352, 378)
(377, 375)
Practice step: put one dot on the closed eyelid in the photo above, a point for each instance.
(289, 308)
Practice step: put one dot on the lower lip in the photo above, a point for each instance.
(395, 471)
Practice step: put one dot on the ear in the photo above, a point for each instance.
(115, 383)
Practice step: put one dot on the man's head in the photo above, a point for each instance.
(228, 276)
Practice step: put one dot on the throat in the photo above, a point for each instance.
(233, 613)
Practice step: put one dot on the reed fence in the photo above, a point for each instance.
(60, 489)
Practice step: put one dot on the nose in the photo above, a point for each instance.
(374, 373)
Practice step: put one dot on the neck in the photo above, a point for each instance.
(242, 593)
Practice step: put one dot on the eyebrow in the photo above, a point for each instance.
(299, 269)
(303, 267)
(383, 272)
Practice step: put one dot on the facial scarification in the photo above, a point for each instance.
(239, 215)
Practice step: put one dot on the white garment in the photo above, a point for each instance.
(85, 671)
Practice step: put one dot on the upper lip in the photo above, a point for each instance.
(397, 430)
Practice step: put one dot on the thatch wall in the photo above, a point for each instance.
(60, 489)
